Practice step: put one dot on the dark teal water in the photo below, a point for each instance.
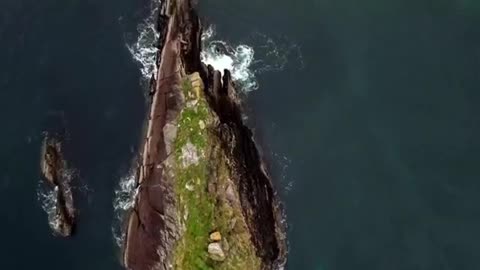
(376, 113)
(70, 58)
(381, 128)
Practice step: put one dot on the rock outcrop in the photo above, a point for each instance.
(53, 169)
(216, 252)
(200, 170)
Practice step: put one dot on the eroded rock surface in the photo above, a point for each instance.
(200, 170)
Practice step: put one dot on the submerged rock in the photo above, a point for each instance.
(53, 169)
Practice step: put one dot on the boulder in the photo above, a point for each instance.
(215, 252)
(216, 237)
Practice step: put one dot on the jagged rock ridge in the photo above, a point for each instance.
(200, 170)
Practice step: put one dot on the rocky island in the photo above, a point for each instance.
(54, 171)
(205, 199)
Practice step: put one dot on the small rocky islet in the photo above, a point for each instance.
(204, 197)
(54, 172)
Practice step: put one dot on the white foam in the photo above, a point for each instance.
(144, 50)
(274, 54)
(244, 61)
(48, 200)
(125, 193)
(124, 200)
(221, 55)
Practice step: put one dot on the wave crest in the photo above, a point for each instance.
(48, 198)
(221, 55)
(143, 50)
(48, 201)
(124, 201)
(246, 61)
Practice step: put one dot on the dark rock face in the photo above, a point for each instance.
(258, 199)
(53, 168)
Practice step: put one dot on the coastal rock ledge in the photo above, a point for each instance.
(205, 199)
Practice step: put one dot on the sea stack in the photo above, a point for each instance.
(53, 169)
(205, 199)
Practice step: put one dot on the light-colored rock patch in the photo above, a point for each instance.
(216, 252)
(189, 155)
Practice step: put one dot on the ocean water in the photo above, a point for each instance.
(371, 124)
(366, 112)
(66, 64)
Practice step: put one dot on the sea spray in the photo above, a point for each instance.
(143, 50)
(245, 62)
(124, 201)
(222, 55)
(267, 54)
(48, 198)
(239, 59)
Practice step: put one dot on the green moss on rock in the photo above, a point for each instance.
(207, 200)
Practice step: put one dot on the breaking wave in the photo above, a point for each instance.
(244, 61)
(144, 50)
(124, 201)
(221, 55)
(48, 198)
(48, 201)
(247, 61)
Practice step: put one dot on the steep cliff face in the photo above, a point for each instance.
(205, 200)
(249, 175)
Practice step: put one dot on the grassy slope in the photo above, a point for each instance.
(200, 190)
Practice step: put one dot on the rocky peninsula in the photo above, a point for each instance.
(205, 199)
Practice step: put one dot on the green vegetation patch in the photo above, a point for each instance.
(202, 177)
(196, 207)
